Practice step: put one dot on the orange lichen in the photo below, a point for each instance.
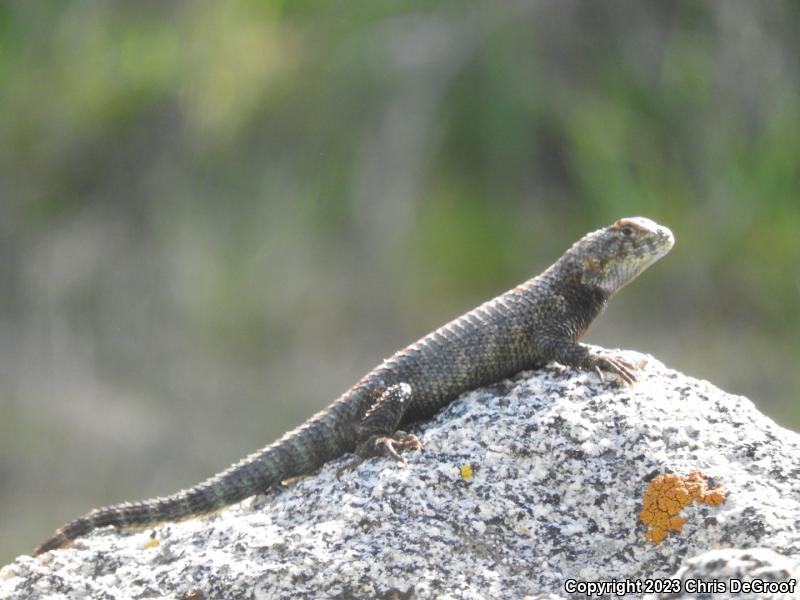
(667, 495)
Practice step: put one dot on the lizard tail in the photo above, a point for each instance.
(296, 453)
(134, 515)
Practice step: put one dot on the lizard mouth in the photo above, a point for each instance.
(667, 240)
(657, 254)
(626, 269)
(662, 244)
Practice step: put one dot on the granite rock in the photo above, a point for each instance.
(522, 489)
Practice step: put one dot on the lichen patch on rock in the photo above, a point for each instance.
(666, 497)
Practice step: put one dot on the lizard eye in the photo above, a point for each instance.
(626, 230)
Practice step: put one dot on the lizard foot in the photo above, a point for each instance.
(401, 440)
(384, 445)
(616, 365)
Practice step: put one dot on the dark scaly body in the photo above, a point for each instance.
(528, 326)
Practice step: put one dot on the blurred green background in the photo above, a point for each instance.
(215, 216)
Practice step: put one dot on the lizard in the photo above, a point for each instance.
(537, 322)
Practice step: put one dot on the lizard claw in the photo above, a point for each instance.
(385, 445)
(388, 446)
(616, 365)
(406, 441)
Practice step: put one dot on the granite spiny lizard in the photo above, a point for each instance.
(536, 322)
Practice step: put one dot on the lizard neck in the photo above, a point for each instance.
(587, 302)
(578, 303)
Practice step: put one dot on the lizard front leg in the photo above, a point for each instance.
(580, 356)
(377, 432)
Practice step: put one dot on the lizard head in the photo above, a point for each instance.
(612, 257)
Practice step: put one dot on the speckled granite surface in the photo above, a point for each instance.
(519, 487)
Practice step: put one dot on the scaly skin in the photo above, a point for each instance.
(535, 323)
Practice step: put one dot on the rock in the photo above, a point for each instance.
(521, 488)
(754, 573)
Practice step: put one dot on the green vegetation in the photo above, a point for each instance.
(214, 216)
